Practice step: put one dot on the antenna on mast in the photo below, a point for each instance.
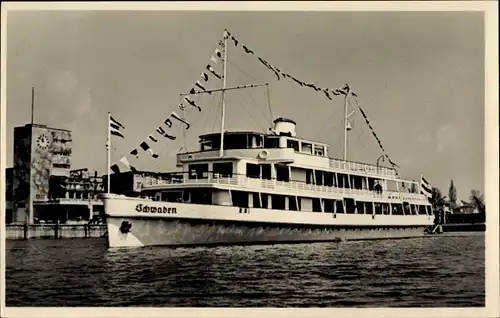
(32, 104)
(345, 128)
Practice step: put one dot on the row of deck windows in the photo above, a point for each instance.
(284, 173)
(292, 203)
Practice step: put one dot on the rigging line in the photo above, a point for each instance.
(241, 70)
(326, 124)
(249, 94)
(251, 117)
(209, 111)
(245, 73)
(269, 104)
(255, 103)
(258, 107)
(217, 115)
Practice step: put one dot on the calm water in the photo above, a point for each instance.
(437, 271)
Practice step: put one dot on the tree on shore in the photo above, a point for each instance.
(452, 195)
(437, 200)
(476, 198)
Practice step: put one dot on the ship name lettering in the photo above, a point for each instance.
(153, 209)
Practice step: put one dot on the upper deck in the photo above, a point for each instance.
(282, 148)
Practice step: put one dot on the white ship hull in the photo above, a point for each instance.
(134, 222)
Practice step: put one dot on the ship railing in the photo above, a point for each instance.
(273, 184)
(361, 167)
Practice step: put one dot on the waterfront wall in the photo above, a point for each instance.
(54, 231)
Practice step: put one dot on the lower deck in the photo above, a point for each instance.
(273, 201)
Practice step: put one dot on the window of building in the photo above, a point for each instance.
(201, 196)
(378, 208)
(198, 171)
(368, 208)
(292, 203)
(319, 177)
(386, 208)
(307, 148)
(290, 143)
(253, 170)
(316, 205)
(361, 207)
(174, 196)
(240, 198)
(421, 209)
(406, 208)
(397, 209)
(266, 171)
(271, 142)
(340, 206)
(329, 205)
(349, 205)
(309, 176)
(329, 179)
(223, 169)
(256, 200)
(278, 201)
(282, 173)
(264, 199)
(319, 150)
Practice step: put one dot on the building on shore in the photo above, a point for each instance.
(41, 187)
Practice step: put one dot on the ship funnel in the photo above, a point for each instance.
(284, 126)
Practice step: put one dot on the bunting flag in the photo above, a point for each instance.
(213, 59)
(269, 67)
(152, 138)
(160, 130)
(181, 107)
(279, 74)
(192, 103)
(348, 125)
(115, 168)
(204, 76)
(234, 40)
(373, 131)
(325, 90)
(218, 53)
(125, 161)
(144, 145)
(425, 187)
(174, 115)
(134, 152)
(211, 70)
(247, 50)
(114, 127)
(198, 84)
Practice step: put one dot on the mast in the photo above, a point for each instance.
(345, 127)
(223, 111)
(32, 104)
(108, 159)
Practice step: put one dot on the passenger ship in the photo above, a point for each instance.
(275, 187)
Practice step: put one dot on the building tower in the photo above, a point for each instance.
(39, 153)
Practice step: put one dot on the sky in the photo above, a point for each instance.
(419, 77)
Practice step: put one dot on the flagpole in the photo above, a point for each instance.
(223, 112)
(183, 110)
(345, 127)
(108, 161)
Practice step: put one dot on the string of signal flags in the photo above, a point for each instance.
(210, 72)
